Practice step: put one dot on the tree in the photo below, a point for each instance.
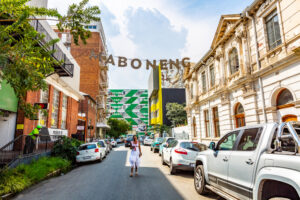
(160, 129)
(24, 63)
(176, 114)
(117, 127)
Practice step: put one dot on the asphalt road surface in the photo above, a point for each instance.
(109, 180)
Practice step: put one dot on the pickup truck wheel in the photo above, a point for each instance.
(162, 160)
(172, 169)
(199, 180)
(151, 149)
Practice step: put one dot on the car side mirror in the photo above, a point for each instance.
(212, 146)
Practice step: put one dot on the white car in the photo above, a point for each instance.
(113, 143)
(148, 141)
(90, 152)
(181, 154)
(107, 149)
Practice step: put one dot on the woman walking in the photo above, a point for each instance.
(135, 155)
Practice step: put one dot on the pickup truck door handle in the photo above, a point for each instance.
(225, 159)
(249, 162)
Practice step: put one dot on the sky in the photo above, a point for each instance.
(156, 29)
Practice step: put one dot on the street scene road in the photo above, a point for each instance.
(110, 180)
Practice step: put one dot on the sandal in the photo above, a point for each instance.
(131, 175)
(136, 174)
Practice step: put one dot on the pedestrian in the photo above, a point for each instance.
(135, 155)
(30, 140)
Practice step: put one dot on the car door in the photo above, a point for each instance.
(243, 161)
(168, 150)
(218, 160)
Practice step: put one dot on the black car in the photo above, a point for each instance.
(128, 141)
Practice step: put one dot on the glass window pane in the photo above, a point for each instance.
(55, 106)
(227, 143)
(44, 99)
(285, 97)
(250, 139)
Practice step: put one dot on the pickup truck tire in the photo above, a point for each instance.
(172, 169)
(151, 149)
(199, 180)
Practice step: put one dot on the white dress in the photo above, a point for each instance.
(134, 158)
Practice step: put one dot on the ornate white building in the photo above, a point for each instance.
(250, 75)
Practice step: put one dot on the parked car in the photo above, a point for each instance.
(103, 146)
(113, 143)
(90, 152)
(156, 143)
(181, 154)
(253, 162)
(165, 143)
(148, 141)
(107, 149)
(108, 144)
(128, 141)
(141, 139)
(119, 141)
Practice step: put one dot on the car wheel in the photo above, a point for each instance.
(199, 180)
(162, 160)
(151, 149)
(172, 169)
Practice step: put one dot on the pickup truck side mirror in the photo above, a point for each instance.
(212, 146)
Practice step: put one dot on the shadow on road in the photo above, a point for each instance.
(106, 180)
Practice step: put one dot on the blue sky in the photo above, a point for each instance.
(156, 29)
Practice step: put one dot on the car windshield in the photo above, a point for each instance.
(147, 138)
(193, 146)
(169, 140)
(159, 140)
(101, 143)
(87, 147)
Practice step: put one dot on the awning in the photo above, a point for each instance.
(102, 125)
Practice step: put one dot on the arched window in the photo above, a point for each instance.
(239, 115)
(284, 99)
(194, 127)
(234, 61)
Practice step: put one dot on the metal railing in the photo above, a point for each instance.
(58, 54)
(24, 145)
(290, 134)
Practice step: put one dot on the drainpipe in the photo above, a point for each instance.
(259, 67)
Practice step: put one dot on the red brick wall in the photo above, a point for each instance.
(89, 67)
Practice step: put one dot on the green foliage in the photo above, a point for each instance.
(176, 114)
(117, 127)
(160, 128)
(77, 17)
(24, 63)
(66, 148)
(16, 180)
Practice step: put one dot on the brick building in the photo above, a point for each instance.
(93, 73)
(62, 97)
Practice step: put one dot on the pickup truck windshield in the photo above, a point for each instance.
(193, 146)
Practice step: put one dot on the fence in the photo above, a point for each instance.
(24, 145)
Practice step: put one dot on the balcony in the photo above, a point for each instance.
(66, 68)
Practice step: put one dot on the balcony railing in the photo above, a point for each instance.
(67, 67)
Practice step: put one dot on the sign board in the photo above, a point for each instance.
(80, 128)
(53, 131)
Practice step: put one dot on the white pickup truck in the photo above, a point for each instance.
(254, 162)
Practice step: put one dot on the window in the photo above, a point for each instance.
(239, 116)
(250, 139)
(216, 122)
(206, 121)
(193, 146)
(203, 77)
(55, 108)
(284, 99)
(234, 61)
(212, 76)
(44, 99)
(273, 30)
(227, 142)
(87, 147)
(64, 112)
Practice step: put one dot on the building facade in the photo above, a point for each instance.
(62, 95)
(130, 105)
(93, 71)
(250, 75)
(161, 92)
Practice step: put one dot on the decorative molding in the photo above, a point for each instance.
(264, 6)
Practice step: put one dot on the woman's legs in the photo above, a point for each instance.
(131, 171)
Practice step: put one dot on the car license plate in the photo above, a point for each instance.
(192, 164)
(86, 157)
